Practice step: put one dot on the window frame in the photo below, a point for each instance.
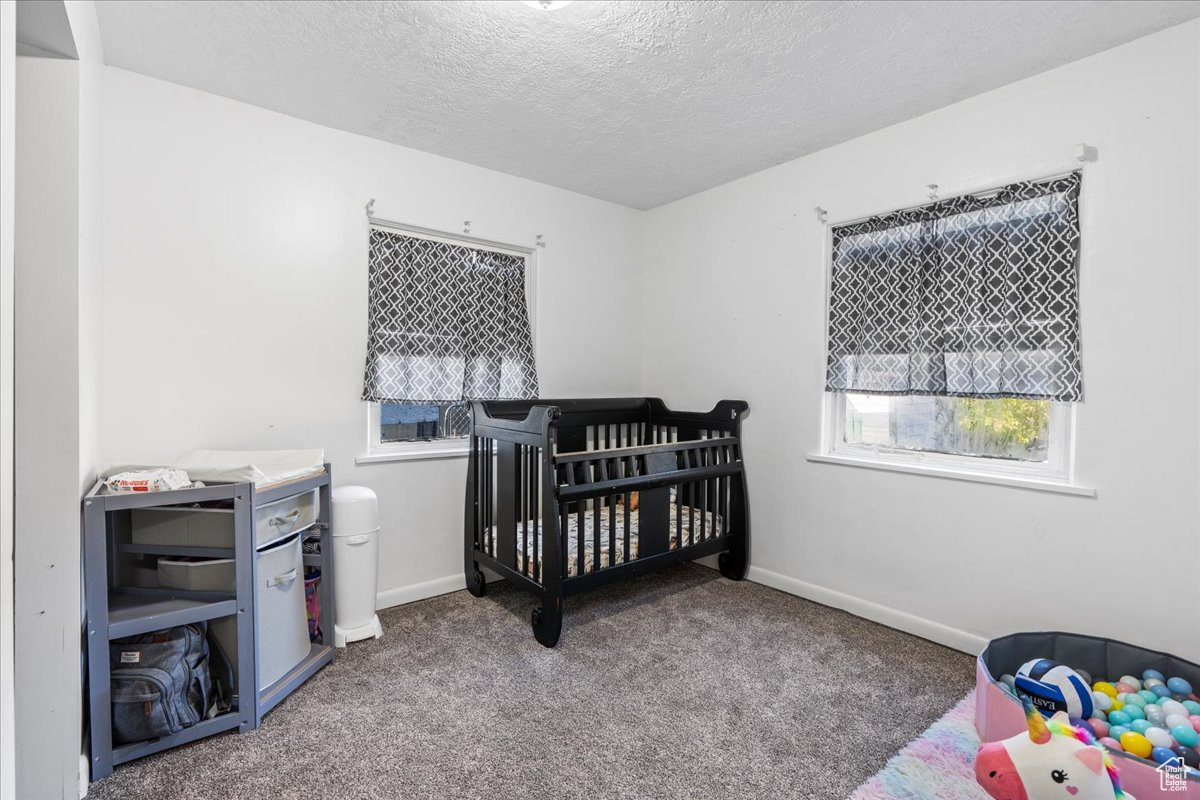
(378, 451)
(1056, 474)
(1057, 468)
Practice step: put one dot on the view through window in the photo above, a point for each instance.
(403, 422)
(1005, 428)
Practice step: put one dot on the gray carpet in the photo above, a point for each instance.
(675, 685)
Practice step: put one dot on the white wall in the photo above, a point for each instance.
(48, 713)
(235, 294)
(959, 561)
(57, 266)
(8, 86)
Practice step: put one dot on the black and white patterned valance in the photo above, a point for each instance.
(970, 297)
(447, 323)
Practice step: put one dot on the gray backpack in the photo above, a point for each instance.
(161, 683)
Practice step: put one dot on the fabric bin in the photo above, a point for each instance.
(282, 617)
(198, 574)
(205, 527)
(282, 518)
(191, 527)
(999, 715)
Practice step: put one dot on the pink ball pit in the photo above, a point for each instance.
(999, 715)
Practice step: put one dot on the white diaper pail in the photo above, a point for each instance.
(355, 564)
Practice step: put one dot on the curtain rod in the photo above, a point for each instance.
(1084, 154)
(421, 231)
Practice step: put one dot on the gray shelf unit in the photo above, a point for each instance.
(115, 611)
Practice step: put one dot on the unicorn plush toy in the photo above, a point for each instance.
(1053, 761)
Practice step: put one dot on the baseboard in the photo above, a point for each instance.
(419, 591)
(909, 623)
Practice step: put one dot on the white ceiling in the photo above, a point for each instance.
(636, 102)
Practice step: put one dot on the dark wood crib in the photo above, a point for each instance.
(564, 496)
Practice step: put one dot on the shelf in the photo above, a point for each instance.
(135, 611)
(318, 656)
(176, 550)
(224, 722)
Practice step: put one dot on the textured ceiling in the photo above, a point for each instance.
(636, 102)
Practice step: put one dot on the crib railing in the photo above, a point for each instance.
(687, 483)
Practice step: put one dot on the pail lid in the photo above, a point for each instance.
(355, 511)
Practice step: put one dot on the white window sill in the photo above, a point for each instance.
(417, 451)
(1036, 484)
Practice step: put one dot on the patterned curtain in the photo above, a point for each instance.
(447, 323)
(969, 297)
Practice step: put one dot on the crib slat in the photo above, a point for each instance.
(612, 524)
(679, 515)
(628, 514)
(539, 524)
(579, 532)
(595, 534)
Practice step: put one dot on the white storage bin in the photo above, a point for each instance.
(198, 574)
(204, 527)
(282, 619)
(282, 518)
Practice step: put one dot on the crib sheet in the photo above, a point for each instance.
(690, 523)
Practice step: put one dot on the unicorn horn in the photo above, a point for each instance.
(1038, 731)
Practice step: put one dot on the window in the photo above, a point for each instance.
(450, 321)
(954, 335)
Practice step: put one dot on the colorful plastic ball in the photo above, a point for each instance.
(1123, 688)
(1008, 680)
(1136, 744)
(1189, 756)
(1119, 718)
(1179, 686)
(1195, 720)
(1192, 706)
(1111, 743)
(1161, 755)
(1186, 735)
(1100, 715)
(1170, 707)
(1133, 712)
(1141, 726)
(1161, 691)
(1148, 696)
(1117, 731)
(1175, 720)
(1101, 701)
(1132, 681)
(1085, 675)
(1157, 737)
(1135, 699)
(1156, 715)
(1153, 674)
(1117, 705)
(1099, 727)
(1106, 687)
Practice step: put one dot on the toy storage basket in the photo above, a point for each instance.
(999, 715)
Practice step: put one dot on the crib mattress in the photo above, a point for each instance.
(686, 527)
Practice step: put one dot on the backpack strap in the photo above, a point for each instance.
(221, 669)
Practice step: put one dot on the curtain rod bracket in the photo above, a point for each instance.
(539, 242)
(371, 207)
(933, 191)
(822, 215)
(1086, 154)
(466, 226)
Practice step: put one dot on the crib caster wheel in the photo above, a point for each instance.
(731, 566)
(476, 583)
(546, 627)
